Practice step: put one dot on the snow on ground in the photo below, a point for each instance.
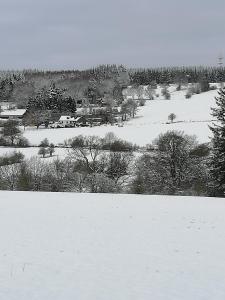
(193, 117)
(196, 108)
(140, 134)
(87, 246)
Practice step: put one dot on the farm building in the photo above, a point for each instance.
(15, 114)
(67, 121)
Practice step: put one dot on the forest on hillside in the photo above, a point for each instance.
(19, 86)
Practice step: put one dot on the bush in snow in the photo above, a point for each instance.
(213, 87)
(23, 142)
(44, 143)
(51, 149)
(142, 102)
(188, 95)
(166, 93)
(43, 151)
(15, 157)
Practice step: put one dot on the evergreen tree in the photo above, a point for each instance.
(218, 143)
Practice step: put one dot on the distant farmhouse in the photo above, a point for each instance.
(86, 114)
(14, 114)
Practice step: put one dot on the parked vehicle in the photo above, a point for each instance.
(82, 124)
(96, 123)
(56, 125)
(69, 125)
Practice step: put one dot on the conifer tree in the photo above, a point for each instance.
(217, 164)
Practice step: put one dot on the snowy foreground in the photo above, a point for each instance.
(114, 247)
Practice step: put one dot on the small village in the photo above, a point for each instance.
(85, 114)
(83, 117)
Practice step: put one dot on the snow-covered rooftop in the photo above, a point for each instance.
(66, 118)
(14, 112)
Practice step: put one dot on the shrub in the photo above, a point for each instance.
(166, 93)
(213, 87)
(9, 159)
(121, 146)
(78, 142)
(42, 151)
(51, 149)
(178, 88)
(23, 142)
(21, 106)
(167, 96)
(194, 89)
(142, 102)
(204, 85)
(201, 150)
(188, 95)
(44, 143)
(3, 142)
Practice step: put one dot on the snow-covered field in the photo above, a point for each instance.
(193, 117)
(77, 246)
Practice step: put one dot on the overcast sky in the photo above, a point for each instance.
(71, 34)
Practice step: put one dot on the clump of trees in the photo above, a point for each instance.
(52, 99)
(166, 93)
(46, 148)
(11, 135)
(151, 90)
(87, 168)
(129, 108)
(9, 159)
(176, 168)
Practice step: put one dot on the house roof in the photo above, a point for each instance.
(66, 118)
(13, 113)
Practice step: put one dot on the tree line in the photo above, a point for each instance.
(110, 165)
(92, 83)
(178, 75)
(18, 87)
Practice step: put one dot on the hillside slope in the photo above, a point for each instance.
(77, 246)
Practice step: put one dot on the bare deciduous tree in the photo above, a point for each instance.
(172, 117)
(86, 149)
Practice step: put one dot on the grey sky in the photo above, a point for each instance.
(66, 34)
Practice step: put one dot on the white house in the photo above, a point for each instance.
(67, 121)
